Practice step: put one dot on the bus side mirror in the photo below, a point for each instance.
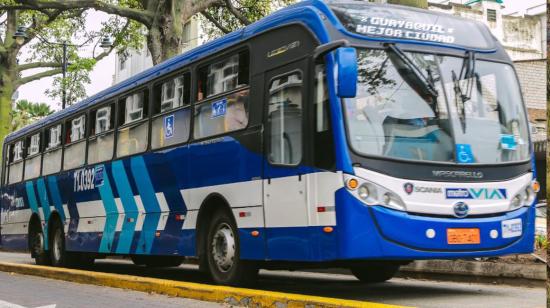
(346, 72)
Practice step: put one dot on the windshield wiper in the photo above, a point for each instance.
(467, 72)
(417, 81)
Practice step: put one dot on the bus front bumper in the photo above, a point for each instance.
(376, 232)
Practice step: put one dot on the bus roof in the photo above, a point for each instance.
(306, 12)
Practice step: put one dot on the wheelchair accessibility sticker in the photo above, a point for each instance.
(464, 153)
(169, 126)
(219, 108)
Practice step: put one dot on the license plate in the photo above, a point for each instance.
(463, 236)
(511, 228)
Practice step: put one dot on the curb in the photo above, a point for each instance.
(203, 292)
(476, 271)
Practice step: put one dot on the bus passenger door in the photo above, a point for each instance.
(285, 196)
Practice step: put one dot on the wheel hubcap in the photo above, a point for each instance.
(223, 248)
(57, 246)
(38, 243)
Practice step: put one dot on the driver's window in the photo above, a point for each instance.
(285, 119)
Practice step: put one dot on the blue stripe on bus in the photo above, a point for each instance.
(111, 213)
(33, 203)
(31, 196)
(56, 197)
(43, 197)
(128, 203)
(150, 202)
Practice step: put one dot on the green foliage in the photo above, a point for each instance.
(541, 242)
(251, 10)
(416, 3)
(26, 112)
(78, 75)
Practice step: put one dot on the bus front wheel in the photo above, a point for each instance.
(372, 273)
(222, 253)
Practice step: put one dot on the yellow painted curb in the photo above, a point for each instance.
(204, 292)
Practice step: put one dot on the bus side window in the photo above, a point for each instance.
(223, 88)
(75, 149)
(172, 116)
(33, 159)
(102, 141)
(53, 150)
(16, 162)
(285, 120)
(133, 132)
(323, 147)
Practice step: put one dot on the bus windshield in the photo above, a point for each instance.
(426, 107)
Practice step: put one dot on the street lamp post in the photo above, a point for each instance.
(64, 73)
(20, 36)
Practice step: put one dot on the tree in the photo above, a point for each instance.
(26, 112)
(44, 59)
(162, 20)
(416, 3)
(165, 19)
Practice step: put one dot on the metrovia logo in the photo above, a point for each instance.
(476, 193)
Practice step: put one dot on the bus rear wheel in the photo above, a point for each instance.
(222, 253)
(376, 272)
(58, 254)
(36, 244)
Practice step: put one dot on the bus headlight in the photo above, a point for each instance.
(526, 197)
(516, 202)
(529, 196)
(373, 194)
(363, 192)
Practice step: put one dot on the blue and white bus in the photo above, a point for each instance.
(328, 134)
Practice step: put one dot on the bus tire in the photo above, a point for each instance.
(222, 253)
(373, 273)
(36, 244)
(58, 254)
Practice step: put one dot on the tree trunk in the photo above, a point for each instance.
(416, 3)
(8, 64)
(6, 93)
(165, 37)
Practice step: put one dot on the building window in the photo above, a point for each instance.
(103, 121)
(34, 144)
(18, 151)
(133, 135)
(224, 75)
(33, 161)
(77, 129)
(16, 162)
(133, 108)
(54, 137)
(52, 153)
(75, 150)
(101, 142)
(285, 120)
(122, 59)
(173, 93)
(491, 15)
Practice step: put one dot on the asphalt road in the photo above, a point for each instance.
(409, 292)
(18, 291)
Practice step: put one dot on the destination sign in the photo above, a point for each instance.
(390, 21)
(381, 26)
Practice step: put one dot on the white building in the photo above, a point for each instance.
(136, 61)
